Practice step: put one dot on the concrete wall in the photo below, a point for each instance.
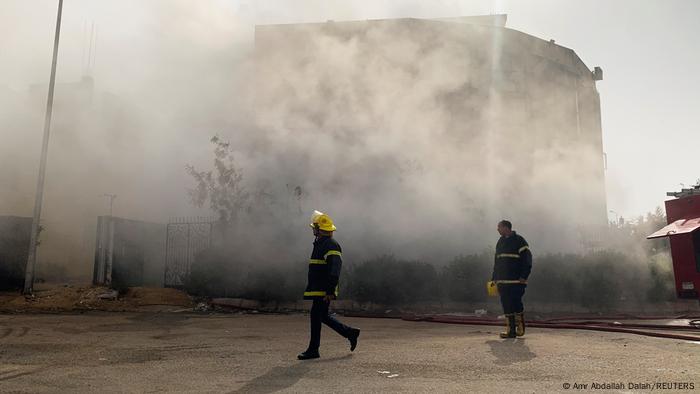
(137, 253)
(14, 247)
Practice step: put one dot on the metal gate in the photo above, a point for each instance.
(185, 238)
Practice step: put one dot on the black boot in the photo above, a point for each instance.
(354, 334)
(308, 355)
(510, 327)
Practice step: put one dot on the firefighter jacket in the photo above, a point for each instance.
(513, 260)
(324, 269)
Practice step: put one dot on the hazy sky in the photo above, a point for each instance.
(650, 92)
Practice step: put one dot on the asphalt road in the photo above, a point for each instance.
(123, 352)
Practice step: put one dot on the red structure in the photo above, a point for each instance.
(683, 230)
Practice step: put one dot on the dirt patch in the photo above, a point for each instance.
(145, 296)
(75, 298)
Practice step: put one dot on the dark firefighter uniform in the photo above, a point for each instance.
(324, 273)
(513, 261)
(324, 269)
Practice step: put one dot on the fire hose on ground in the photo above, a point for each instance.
(574, 323)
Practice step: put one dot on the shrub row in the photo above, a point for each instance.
(598, 280)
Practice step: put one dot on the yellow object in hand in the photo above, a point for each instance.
(491, 288)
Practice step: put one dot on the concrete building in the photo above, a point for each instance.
(485, 121)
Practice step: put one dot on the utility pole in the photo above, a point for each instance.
(31, 259)
(111, 201)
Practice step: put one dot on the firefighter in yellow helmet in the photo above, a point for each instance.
(322, 286)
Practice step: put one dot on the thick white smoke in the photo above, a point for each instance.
(395, 129)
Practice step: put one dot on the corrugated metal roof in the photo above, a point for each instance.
(681, 226)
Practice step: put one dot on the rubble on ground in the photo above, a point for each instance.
(77, 298)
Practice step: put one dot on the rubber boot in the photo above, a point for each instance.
(519, 324)
(510, 327)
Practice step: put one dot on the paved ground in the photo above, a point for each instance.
(123, 352)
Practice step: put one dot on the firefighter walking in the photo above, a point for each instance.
(322, 287)
(512, 265)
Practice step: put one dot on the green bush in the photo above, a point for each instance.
(601, 277)
(661, 281)
(553, 278)
(464, 278)
(387, 280)
(215, 273)
(597, 280)
(274, 284)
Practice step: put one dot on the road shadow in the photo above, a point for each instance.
(331, 359)
(280, 378)
(510, 351)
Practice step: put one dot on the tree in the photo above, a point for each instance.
(222, 187)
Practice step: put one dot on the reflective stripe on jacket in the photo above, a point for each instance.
(513, 260)
(324, 268)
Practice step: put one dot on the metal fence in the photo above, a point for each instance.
(185, 238)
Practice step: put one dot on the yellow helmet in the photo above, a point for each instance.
(323, 221)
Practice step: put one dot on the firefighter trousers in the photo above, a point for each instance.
(511, 297)
(320, 314)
